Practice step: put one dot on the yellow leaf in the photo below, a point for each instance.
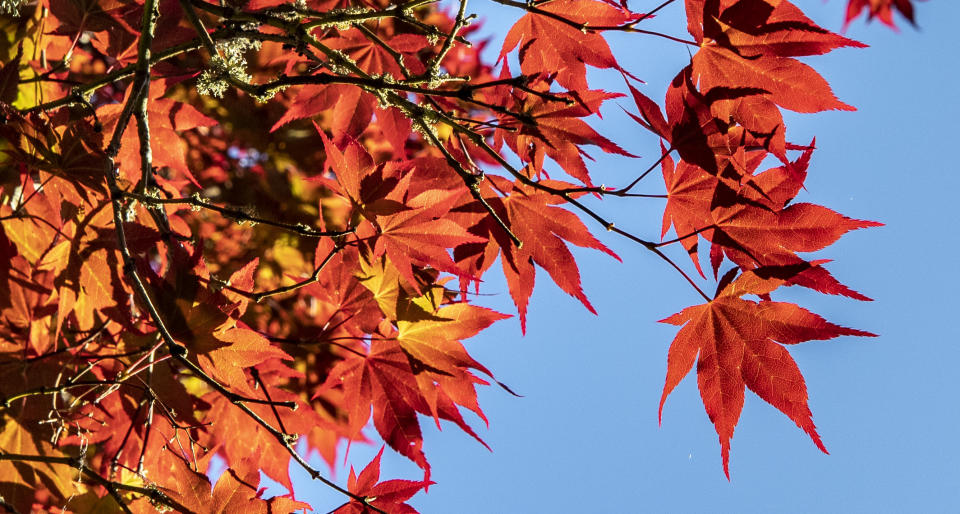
(18, 479)
(383, 280)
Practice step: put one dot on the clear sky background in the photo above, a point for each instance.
(585, 438)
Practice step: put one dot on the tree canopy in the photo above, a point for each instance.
(252, 229)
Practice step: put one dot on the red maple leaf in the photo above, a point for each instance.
(750, 223)
(739, 343)
(375, 59)
(422, 237)
(709, 129)
(549, 45)
(347, 109)
(167, 118)
(745, 68)
(383, 379)
(751, 44)
(546, 230)
(372, 189)
(421, 367)
(389, 496)
(234, 492)
(555, 129)
(753, 236)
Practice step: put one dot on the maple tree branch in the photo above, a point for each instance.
(152, 397)
(339, 17)
(414, 111)
(483, 123)
(470, 179)
(211, 47)
(650, 33)
(289, 41)
(146, 435)
(653, 247)
(113, 488)
(351, 350)
(374, 84)
(109, 78)
(96, 357)
(342, 16)
(328, 341)
(522, 117)
(653, 11)
(78, 93)
(198, 26)
(643, 195)
(301, 32)
(151, 11)
(146, 153)
(646, 172)
(239, 215)
(682, 273)
(220, 388)
(433, 69)
(129, 265)
(5, 402)
(284, 439)
(608, 225)
(147, 354)
(520, 82)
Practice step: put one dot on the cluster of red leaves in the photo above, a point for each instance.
(880, 9)
(148, 327)
(723, 118)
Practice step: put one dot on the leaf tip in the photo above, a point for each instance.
(725, 456)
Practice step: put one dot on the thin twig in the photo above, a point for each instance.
(273, 407)
(257, 297)
(238, 215)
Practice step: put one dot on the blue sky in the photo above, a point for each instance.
(585, 438)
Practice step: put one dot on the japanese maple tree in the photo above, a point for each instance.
(253, 229)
